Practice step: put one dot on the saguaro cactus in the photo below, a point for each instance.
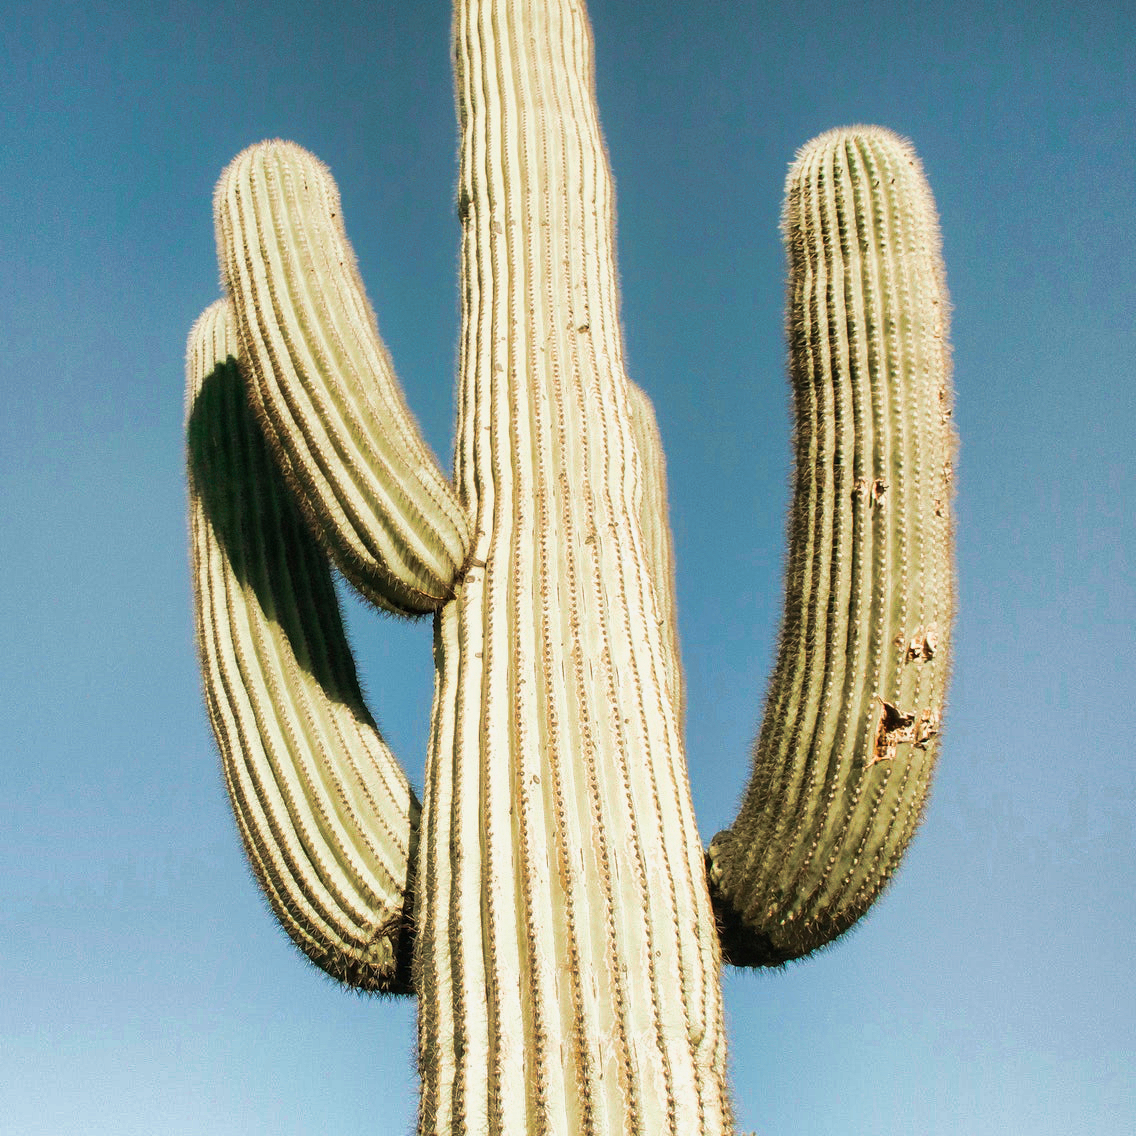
(550, 904)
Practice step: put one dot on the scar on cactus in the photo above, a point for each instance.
(898, 728)
(548, 901)
(923, 644)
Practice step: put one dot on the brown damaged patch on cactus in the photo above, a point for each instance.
(873, 492)
(926, 727)
(897, 727)
(923, 644)
(946, 412)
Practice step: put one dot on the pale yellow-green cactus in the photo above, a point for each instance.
(550, 904)
(833, 799)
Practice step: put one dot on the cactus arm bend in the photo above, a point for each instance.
(323, 385)
(326, 815)
(845, 754)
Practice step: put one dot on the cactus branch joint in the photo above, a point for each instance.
(548, 901)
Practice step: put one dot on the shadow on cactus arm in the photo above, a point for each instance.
(327, 818)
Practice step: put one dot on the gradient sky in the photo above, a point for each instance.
(143, 984)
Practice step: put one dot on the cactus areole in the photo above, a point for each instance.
(549, 902)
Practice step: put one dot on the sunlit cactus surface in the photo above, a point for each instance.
(549, 901)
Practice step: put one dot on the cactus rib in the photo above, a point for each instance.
(653, 514)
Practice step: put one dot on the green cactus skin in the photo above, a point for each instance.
(567, 928)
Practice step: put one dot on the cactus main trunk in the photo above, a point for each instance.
(567, 964)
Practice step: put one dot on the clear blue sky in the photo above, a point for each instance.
(143, 985)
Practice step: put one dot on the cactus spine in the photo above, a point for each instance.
(554, 891)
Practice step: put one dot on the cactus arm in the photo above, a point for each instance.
(653, 520)
(566, 946)
(323, 385)
(845, 754)
(325, 813)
